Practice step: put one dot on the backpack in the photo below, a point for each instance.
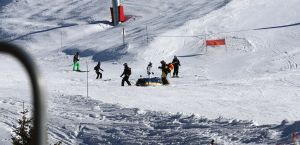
(129, 71)
(170, 67)
(95, 68)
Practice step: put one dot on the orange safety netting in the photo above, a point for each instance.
(215, 42)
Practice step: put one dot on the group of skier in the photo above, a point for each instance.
(165, 69)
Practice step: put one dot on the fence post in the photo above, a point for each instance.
(87, 79)
(123, 32)
(147, 34)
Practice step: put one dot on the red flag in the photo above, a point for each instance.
(215, 42)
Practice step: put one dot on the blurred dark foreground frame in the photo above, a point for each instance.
(39, 113)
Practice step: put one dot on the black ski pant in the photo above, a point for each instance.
(99, 74)
(125, 79)
(175, 73)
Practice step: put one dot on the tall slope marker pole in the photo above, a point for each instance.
(87, 79)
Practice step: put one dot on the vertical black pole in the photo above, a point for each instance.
(61, 39)
(87, 79)
(225, 45)
(205, 44)
(147, 34)
(123, 32)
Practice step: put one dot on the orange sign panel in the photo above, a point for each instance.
(215, 42)
(121, 14)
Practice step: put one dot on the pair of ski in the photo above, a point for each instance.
(81, 71)
(89, 71)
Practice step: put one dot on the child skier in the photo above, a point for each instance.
(149, 69)
(97, 69)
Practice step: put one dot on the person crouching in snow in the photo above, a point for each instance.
(97, 68)
(126, 73)
(76, 64)
(164, 72)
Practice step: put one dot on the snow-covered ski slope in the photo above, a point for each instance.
(254, 78)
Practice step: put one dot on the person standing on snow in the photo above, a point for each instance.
(76, 64)
(97, 68)
(164, 72)
(126, 73)
(149, 69)
(176, 64)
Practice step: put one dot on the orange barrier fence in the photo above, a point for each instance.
(215, 42)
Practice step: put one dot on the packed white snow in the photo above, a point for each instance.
(252, 82)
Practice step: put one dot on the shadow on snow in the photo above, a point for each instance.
(110, 54)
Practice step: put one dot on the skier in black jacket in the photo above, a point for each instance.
(97, 68)
(176, 64)
(126, 73)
